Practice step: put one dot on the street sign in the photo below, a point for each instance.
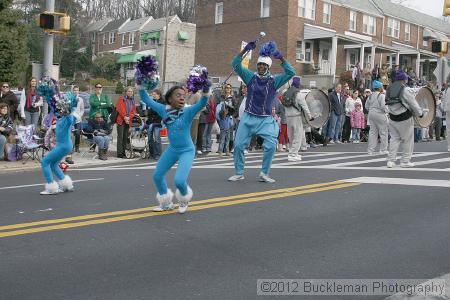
(442, 71)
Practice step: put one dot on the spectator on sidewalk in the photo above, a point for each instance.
(283, 136)
(126, 108)
(446, 106)
(191, 99)
(337, 101)
(210, 119)
(358, 122)
(367, 73)
(154, 127)
(100, 103)
(100, 130)
(30, 104)
(224, 120)
(6, 126)
(8, 97)
(50, 136)
(77, 127)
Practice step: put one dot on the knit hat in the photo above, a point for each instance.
(401, 75)
(265, 60)
(296, 82)
(377, 85)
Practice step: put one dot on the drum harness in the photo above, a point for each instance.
(396, 99)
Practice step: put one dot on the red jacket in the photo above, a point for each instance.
(122, 109)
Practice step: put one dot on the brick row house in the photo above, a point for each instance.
(321, 38)
(132, 39)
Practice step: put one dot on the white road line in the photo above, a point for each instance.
(352, 163)
(41, 184)
(432, 161)
(323, 160)
(400, 181)
(276, 159)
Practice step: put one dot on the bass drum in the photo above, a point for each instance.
(318, 105)
(425, 98)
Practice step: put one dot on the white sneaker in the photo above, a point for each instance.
(407, 165)
(370, 153)
(164, 207)
(236, 178)
(384, 152)
(390, 164)
(331, 142)
(265, 178)
(294, 158)
(199, 152)
(246, 151)
(304, 149)
(338, 142)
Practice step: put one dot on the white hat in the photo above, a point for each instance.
(265, 60)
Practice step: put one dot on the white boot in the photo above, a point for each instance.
(66, 184)
(51, 189)
(183, 201)
(165, 201)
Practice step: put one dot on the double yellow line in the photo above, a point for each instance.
(139, 213)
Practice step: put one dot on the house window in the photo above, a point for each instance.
(303, 51)
(123, 39)
(327, 13)
(131, 38)
(369, 25)
(112, 38)
(265, 8)
(307, 9)
(353, 20)
(425, 43)
(393, 29)
(407, 32)
(104, 39)
(219, 13)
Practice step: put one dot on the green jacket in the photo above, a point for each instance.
(99, 105)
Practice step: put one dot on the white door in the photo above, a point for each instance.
(352, 58)
(324, 58)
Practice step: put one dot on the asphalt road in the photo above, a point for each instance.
(103, 242)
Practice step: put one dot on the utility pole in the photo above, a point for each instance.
(166, 33)
(48, 44)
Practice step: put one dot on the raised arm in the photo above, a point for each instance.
(281, 79)
(194, 109)
(245, 74)
(148, 100)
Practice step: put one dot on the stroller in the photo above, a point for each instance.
(137, 140)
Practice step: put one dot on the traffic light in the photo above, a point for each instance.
(446, 11)
(439, 47)
(54, 22)
(47, 21)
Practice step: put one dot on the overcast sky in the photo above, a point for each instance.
(430, 7)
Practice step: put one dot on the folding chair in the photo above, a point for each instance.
(90, 140)
(29, 143)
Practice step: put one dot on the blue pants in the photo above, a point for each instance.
(267, 128)
(51, 162)
(334, 126)
(102, 141)
(154, 140)
(185, 159)
(2, 145)
(207, 137)
(356, 133)
(224, 140)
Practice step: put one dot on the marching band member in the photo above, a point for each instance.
(402, 106)
(257, 119)
(376, 105)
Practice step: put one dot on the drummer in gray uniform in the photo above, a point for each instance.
(402, 105)
(377, 108)
(294, 119)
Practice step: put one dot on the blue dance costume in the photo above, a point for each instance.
(50, 163)
(181, 149)
(257, 119)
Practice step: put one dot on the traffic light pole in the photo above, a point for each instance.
(48, 44)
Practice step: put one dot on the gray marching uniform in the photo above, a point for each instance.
(378, 122)
(402, 132)
(446, 106)
(295, 123)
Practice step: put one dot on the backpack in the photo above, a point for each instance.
(113, 116)
(288, 98)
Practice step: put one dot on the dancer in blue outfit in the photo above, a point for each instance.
(262, 88)
(178, 119)
(62, 108)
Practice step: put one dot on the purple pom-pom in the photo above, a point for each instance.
(147, 72)
(198, 79)
(268, 49)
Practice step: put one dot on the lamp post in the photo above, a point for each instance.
(169, 7)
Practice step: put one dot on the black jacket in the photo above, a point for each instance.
(102, 127)
(6, 122)
(153, 117)
(337, 106)
(11, 100)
